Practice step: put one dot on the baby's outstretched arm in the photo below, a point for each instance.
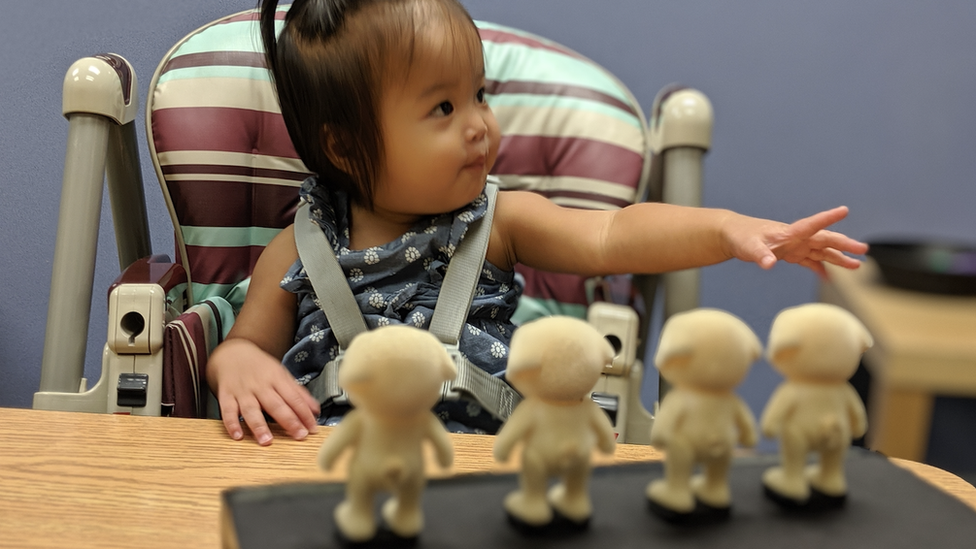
(656, 237)
(245, 371)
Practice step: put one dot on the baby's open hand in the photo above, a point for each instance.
(251, 383)
(805, 242)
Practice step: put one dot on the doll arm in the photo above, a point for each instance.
(859, 420)
(606, 439)
(771, 421)
(667, 419)
(746, 422)
(514, 430)
(443, 448)
(343, 435)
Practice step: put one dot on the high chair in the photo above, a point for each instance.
(570, 131)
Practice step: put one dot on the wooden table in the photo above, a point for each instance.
(85, 480)
(924, 345)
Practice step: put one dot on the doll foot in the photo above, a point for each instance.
(833, 485)
(678, 501)
(576, 509)
(351, 526)
(403, 524)
(778, 486)
(715, 496)
(533, 512)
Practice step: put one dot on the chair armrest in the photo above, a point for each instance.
(156, 269)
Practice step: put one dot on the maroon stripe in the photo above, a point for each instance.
(233, 204)
(211, 58)
(221, 129)
(495, 87)
(247, 171)
(567, 156)
(502, 37)
(564, 288)
(219, 265)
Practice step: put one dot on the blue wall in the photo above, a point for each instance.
(866, 103)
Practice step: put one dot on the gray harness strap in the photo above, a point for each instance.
(460, 282)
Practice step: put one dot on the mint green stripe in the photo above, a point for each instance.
(228, 236)
(562, 102)
(518, 62)
(530, 308)
(233, 293)
(236, 36)
(216, 71)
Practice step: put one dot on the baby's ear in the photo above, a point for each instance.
(334, 151)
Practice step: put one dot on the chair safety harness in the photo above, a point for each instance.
(340, 307)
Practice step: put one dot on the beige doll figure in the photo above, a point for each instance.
(555, 362)
(704, 354)
(393, 376)
(817, 348)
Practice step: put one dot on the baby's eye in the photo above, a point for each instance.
(444, 109)
(481, 95)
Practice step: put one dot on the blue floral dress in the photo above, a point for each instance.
(398, 283)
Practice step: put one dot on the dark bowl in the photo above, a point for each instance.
(931, 267)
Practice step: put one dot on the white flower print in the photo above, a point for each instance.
(480, 292)
(371, 256)
(300, 356)
(494, 312)
(317, 336)
(472, 409)
(355, 275)
(473, 330)
(466, 217)
(487, 274)
(503, 288)
(417, 319)
(428, 262)
(480, 200)
(287, 279)
(315, 299)
(376, 300)
(304, 379)
(430, 230)
(407, 236)
(383, 321)
(498, 350)
(447, 250)
(501, 328)
(333, 352)
(412, 254)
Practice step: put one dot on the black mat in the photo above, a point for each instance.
(886, 508)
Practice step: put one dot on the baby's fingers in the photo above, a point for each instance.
(230, 414)
(809, 226)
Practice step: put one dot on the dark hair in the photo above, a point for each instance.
(328, 65)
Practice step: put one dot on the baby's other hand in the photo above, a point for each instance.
(250, 382)
(805, 242)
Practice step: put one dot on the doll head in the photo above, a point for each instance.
(706, 349)
(395, 371)
(557, 359)
(817, 342)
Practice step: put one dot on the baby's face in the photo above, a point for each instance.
(440, 137)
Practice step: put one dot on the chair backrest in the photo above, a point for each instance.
(230, 176)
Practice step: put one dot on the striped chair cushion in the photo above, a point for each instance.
(230, 175)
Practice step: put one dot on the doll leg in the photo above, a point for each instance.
(827, 477)
(528, 503)
(674, 490)
(402, 512)
(788, 479)
(354, 516)
(712, 487)
(571, 497)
